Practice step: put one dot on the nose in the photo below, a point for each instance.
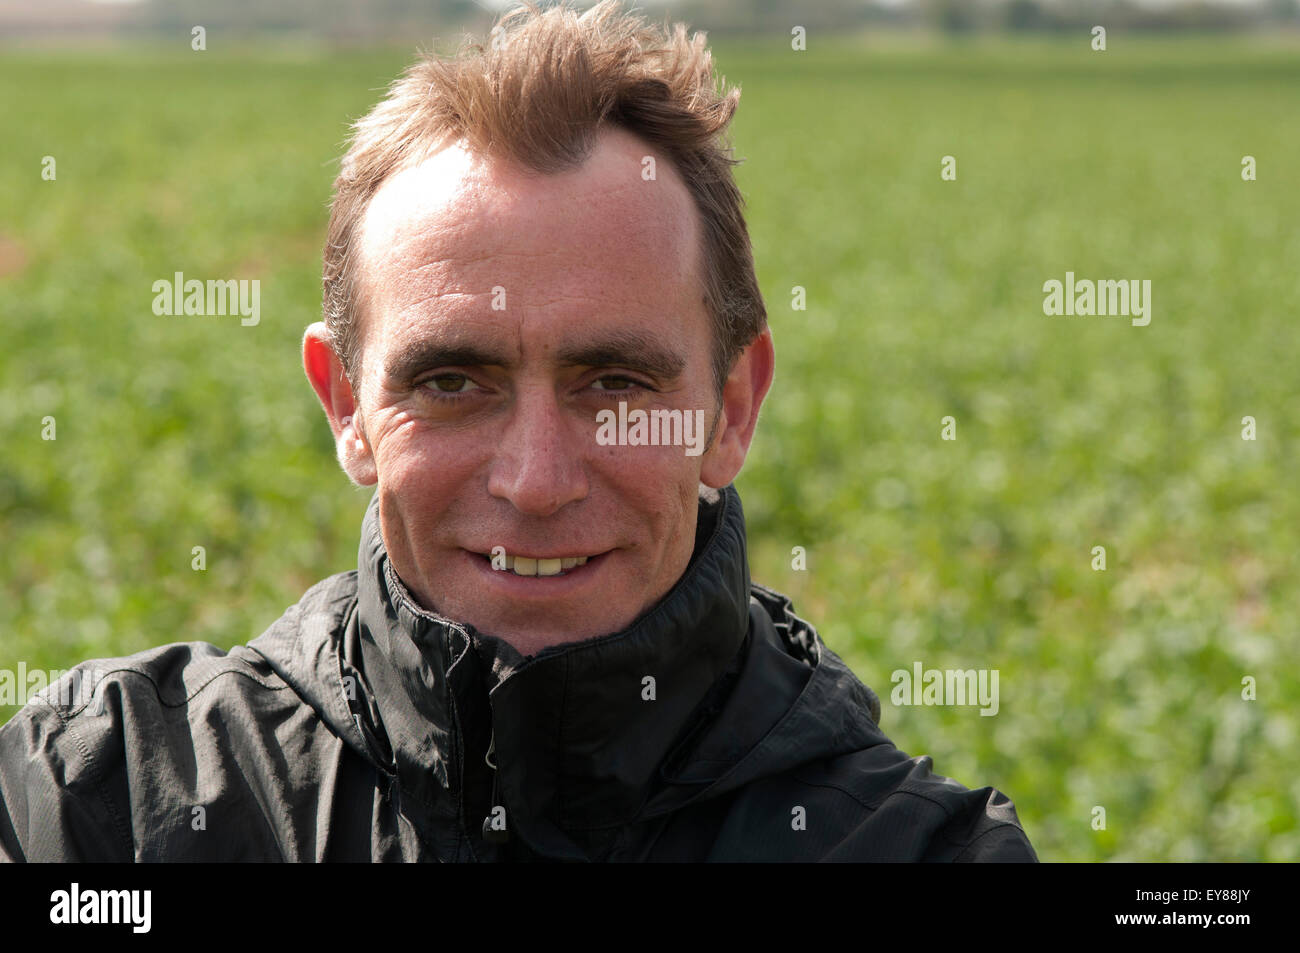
(538, 465)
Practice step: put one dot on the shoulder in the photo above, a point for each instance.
(97, 695)
(71, 757)
(874, 805)
(901, 810)
(114, 737)
(181, 676)
(845, 791)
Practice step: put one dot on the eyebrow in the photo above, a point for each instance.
(633, 350)
(408, 360)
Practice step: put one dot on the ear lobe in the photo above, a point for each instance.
(325, 373)
(742, 395)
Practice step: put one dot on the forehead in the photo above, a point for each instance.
(598, 242)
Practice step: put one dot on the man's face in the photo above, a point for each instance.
(500, 313)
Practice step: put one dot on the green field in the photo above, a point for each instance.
(1119, 688)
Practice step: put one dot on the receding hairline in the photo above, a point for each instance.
(476, 165)
(539, 92)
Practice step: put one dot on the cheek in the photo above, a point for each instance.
(659, 483)
(422, 475)
(415, 455)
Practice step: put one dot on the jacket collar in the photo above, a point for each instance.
(580, 731)
(419, 698)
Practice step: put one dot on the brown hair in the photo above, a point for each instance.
(538, 95)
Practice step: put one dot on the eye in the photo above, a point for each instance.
(451, 384)
(620, 383)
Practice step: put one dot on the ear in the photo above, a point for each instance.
(325, 372)
(742, 395)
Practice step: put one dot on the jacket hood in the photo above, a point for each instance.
(717, 685)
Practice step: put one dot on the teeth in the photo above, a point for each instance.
(528, 566)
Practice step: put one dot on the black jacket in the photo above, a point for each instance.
(361, 727)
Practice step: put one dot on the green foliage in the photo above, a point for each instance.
(1119, 688)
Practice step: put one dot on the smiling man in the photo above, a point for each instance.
(551, 648)
(501, 312)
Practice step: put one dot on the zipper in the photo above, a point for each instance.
(495, 829)
(492, 832)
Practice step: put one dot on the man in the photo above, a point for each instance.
(545, 348)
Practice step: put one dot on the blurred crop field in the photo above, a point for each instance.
(1119, 689)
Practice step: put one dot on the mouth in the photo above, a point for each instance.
(534, 566)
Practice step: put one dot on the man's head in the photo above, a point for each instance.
(522, 238)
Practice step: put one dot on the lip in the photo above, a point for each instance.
(539, 588)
